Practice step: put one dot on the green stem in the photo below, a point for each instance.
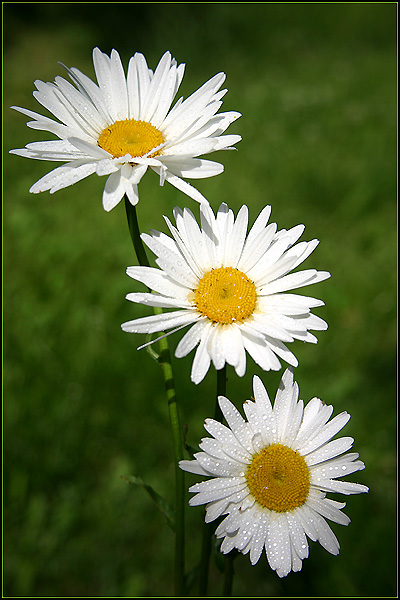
(221, 391)
(228, 560)
(177, 435)
(228, 573)
(134, 230)
(208, 528)
(165, 361)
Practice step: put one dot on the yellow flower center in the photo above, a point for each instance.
(136, 138)
(226, 295)
(278, 478)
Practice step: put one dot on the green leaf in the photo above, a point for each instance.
(161, 503)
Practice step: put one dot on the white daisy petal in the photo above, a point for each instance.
(260, 352)
(296, 560)
(259, 225)
(227, 440)
(79, 105)
(329, 450)
(183, 186)
(212, 447)
(45, 124)
(134, 89)
(326, 537)
(262, 423)
(171, 83)
(336, 467)
(131, 191)
(138, 91)
(192, 168)
(217, 484)
(245, 535)
(271, 327)
(187, 112)
(49, 96)
(63, 176)
(203, 126)
(190, 339)
(125, 122)
(282, 351)
(272, 496)
(158, 281)
(215, 349)
(225, 142)
(215, 494)
(287, 410)
(218, 467)
(192, 467)
(273, 264)
(330, 509)
(89, 149)
(228, 543)
(156, 300)
(156, 323)
(113, 191)
(51, 150)
(157, 89)
(236, 422)
(90, 90)
(202, 359)
(233, 348)
(279, 551)
(344, 487)
(306, 518)
(171, 261)
(316, 414)
(258, 542)
(216, 509)
(327, 432)
(297, 535)
(186, 249)
(183, 154)
(256, 246)
(237, 238)
(224, 223)
(288, 304)
(295, 280)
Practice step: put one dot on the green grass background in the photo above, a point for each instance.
(316, 85)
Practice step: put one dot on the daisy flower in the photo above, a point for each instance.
(230, 287)
(270, 475)
(123, 125)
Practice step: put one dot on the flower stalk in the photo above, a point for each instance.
(208, 528)
(164, 360)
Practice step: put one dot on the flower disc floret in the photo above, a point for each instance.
(278, 478)
(225, 295)
(136, 138)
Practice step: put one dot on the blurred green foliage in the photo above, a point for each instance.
(316, 84)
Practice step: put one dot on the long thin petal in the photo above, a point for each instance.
(156, 323)
(64, 176)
